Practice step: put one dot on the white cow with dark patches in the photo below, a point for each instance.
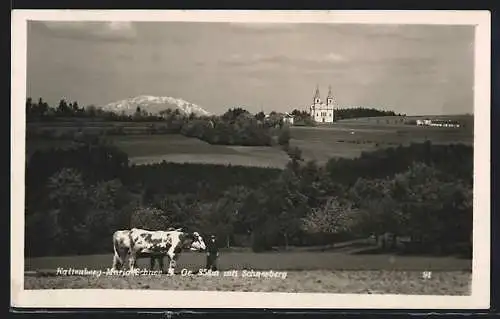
(139, 243)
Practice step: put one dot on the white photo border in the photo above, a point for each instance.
(111, 298)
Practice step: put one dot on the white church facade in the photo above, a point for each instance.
(320, 111)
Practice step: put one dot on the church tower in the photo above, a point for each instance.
(329, 98)
(317, 99)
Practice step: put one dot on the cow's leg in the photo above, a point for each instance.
(152, 263)
(160, 263)
(132, 260)
(116, 262)
(124, 256)
(119, 259)
(172, 262)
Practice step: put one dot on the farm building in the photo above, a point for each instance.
(438, 123)
(288, 118)
(321, 112)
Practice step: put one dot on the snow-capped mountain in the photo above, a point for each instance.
(154, 104)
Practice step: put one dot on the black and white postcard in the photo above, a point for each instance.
(250, 159)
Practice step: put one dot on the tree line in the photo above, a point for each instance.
(78, 196)
(42, 111)
(357, 112)
(235, 127)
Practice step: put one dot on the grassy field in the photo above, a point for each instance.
(333, 272)
(144, 149)
(345, 138)
(348, 138)
(467, 120)
(293, 260)
(360, 282)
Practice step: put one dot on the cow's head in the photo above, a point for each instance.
(193, 241)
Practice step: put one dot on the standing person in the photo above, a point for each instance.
(212, 254)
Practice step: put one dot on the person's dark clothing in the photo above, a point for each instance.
(212, 254)
(212, 247)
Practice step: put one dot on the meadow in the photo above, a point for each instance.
(293, 260)
(306, 271)
(349, 138)
(147, 149)
(345, 138)
(319, 281)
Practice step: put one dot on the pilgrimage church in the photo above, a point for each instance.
(321, 112)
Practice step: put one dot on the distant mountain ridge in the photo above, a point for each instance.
(154, 104)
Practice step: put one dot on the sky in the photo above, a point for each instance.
(410, 69)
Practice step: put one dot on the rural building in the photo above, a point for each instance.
(438, 123)
(426, 122)
(321, 112)
(288, 118)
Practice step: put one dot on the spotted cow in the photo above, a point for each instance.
(139, 243)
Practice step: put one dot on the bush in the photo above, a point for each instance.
(284, 136)
(149, 218)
